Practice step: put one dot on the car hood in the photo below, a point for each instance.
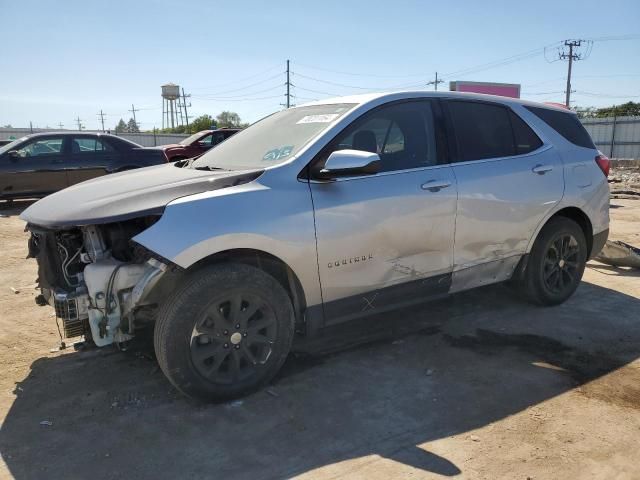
(130, 194)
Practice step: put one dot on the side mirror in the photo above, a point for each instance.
(13, 155)
(343, 163)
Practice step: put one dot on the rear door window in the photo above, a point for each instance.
(482, 130)
(566, 124)
(89, 145)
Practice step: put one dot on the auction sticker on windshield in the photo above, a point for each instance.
(325, 118)
(278, 153)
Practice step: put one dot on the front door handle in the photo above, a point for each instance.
(435, 185)
(541, 169)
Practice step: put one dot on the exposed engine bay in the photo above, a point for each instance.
(96, 278)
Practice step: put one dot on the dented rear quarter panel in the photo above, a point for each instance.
(585, 186)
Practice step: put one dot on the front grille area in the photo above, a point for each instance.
(67, 310)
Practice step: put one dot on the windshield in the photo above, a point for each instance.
(273, 139)
(12, 146)
(192, 138)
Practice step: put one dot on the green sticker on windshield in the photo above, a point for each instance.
(278, 153)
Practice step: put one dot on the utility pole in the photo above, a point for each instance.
(30, 126)
(571, 56)
(288, 84)
(61, 125)
(101, 119)
(435, 82)
(133, 110)
(184, 103)
(79, 122)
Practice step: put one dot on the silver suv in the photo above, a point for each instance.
(319, 214)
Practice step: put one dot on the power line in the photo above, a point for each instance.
(273, 67)
(242, 88)
(371, 75)
(369, 89)
(630, 36)
(239, 99)
(502, 62)
(244, 95)
(317, 91)
(606, 95)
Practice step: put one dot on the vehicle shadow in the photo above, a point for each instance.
(385, 386)
(13, 208)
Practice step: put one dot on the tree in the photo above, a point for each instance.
(132, 126)
(203, 122)
(121, 127)
(626, 109)
(228, 119)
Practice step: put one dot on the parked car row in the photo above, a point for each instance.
(42, 163)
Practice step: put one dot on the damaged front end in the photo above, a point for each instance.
(98, 280)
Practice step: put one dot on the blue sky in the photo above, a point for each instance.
(64, 59)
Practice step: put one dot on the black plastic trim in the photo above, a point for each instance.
(599, 239)
(376, 301)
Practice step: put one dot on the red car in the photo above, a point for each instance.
(197, 144)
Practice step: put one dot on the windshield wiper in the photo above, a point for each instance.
(207, 167)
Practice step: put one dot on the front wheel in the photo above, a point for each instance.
(556, 263)
(225, 332)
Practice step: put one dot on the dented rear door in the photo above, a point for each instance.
(507, 183)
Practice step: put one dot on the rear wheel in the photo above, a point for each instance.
(556, 263)
(225, 332)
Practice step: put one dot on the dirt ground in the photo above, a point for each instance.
(478, 386)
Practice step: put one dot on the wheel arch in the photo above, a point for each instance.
(270, 264)
(577, 215)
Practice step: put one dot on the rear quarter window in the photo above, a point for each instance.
(524, 138)
(566, 124)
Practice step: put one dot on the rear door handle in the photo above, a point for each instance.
(541, 169)
(435, 185)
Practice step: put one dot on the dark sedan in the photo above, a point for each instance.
(43, 163)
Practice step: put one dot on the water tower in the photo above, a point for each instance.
(171, 106)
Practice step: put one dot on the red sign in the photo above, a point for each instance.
(503, 89)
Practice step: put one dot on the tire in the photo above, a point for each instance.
(225, 332)
(556, 263)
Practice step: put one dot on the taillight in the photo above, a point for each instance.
(604, 164)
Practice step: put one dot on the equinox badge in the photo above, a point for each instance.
(347, 261)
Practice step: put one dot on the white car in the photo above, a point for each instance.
(319, 214)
